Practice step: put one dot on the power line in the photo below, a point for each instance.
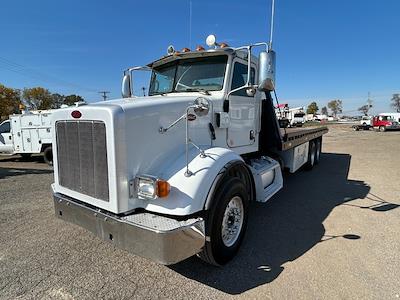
(104, 94)
(32, 73)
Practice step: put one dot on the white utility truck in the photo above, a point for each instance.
(294, 117)
(26, 134)
(172, 174)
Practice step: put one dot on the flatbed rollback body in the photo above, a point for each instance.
(172, 174)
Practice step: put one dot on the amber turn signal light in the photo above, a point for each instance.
(200, 48)
(163, 188)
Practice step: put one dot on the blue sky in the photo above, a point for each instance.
(326, 50)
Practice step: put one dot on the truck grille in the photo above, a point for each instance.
(82, 157)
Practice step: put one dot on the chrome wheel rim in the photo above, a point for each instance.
(232, 222)
(318, 151)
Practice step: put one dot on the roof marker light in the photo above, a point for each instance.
(200, 48)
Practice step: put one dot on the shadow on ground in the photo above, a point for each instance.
(18, 158)
(285, 228)
(9, 172)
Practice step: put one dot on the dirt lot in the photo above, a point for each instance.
(330, 233)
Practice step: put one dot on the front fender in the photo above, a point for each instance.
(188, 194)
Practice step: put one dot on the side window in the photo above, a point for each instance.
(5, 127)
(240, 77)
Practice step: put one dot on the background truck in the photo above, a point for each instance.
(26, 134)
(290, 117)
(172, 174)
(385, 122)
(365, 123)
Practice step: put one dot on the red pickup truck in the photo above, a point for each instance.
(383, 123)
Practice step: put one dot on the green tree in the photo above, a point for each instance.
(312, 108)
(38, 98)
(71, 99)
(58, 100)
(10, 101)
(396, 102)
(324, 111)
(336, 106)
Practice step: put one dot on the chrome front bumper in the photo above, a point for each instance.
(158, 238)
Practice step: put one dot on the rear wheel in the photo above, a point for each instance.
(226, 222)
(48, 156)
(311, 156)
(318, 146)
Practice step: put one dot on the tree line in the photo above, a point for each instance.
(336, 107)
(36, 98)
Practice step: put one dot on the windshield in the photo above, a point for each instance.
(188, 75)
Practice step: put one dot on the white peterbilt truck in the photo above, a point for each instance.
(172, 174)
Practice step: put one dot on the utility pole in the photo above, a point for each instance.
(369, 101)
(104, 94)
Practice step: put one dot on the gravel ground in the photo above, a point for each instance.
(330, 233)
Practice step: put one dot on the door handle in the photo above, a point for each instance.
(252, 135)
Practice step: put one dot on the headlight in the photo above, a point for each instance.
(150, 187)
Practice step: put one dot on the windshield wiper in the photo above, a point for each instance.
(157, 94)
(205, 92)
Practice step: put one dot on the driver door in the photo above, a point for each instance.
(242, 108)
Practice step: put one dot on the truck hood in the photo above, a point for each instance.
(133, 142)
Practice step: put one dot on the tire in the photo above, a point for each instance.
(230, 204)
(48, 155)
(355, 128)
(382, 128)
(318, 146)
(311, 156)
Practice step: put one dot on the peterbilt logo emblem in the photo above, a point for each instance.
(76, 114)
(191, 117)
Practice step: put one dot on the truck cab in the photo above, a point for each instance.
(172, 174)
(6, 144)
(385, 122)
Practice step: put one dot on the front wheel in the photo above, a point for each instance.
(226, 222)
(382, 128)
(48, 156)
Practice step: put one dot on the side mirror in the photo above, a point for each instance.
(266, 71)
(201, 106)
(126, 86)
